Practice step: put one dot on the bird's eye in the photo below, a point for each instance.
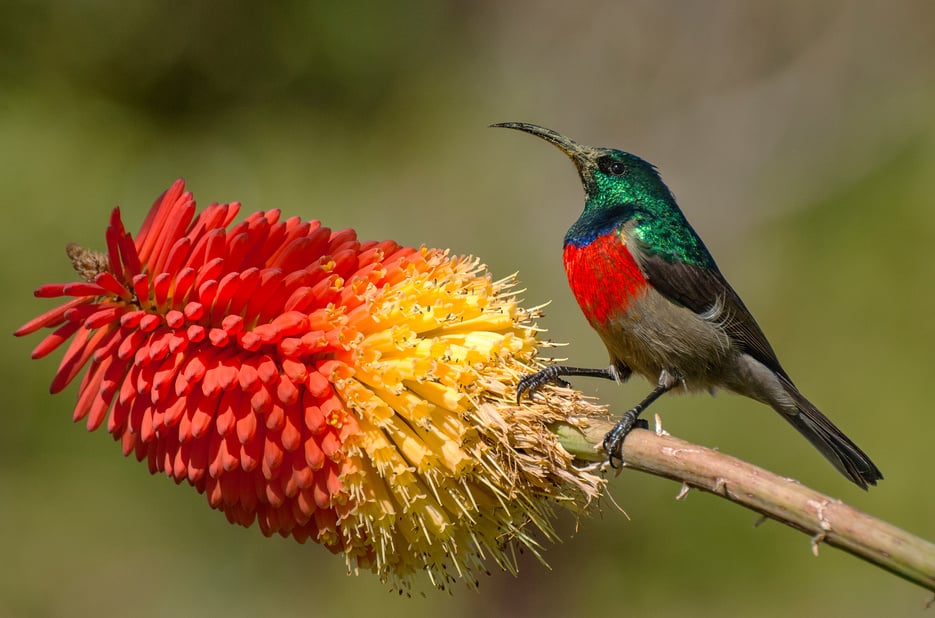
(612, 166)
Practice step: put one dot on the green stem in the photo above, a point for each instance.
(827, 520)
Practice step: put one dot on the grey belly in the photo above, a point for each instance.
(655, 335)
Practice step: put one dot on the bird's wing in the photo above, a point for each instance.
(706, 291)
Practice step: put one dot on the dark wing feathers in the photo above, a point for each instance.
(700, 290)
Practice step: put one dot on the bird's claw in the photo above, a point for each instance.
(532, 382)
(613, 441)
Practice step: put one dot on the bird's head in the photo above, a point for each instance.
(610, 177)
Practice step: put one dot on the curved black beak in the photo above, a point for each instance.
(570, 147)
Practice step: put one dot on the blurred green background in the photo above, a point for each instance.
(799, 137)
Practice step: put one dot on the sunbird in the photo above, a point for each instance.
(650, 288)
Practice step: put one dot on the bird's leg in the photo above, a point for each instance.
(554, 373)
(613, 441)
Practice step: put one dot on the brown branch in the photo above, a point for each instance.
(827, 520)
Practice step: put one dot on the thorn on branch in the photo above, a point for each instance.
(683, 491)
(817, 540)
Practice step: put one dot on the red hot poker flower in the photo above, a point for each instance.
(358, 394)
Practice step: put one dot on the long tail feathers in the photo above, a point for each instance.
(831, 441)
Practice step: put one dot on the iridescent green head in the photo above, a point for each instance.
(609, 176)
(621, 189)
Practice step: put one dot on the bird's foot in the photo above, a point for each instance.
(554, 373)
(532, 382)
(613, 441)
